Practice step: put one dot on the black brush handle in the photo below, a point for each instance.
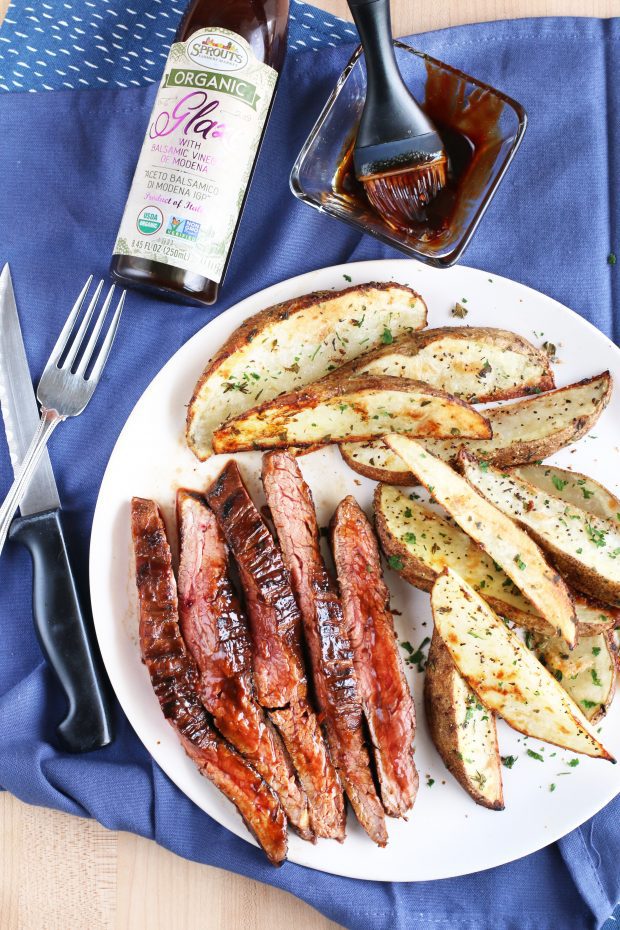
(390, 111)
(64, 633)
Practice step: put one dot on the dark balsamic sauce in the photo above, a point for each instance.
(468, 122)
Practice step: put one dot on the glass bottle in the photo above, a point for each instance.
(200, 148)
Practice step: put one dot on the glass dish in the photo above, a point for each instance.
(451, 98)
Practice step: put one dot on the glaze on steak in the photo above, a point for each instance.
(331, 659)
(175, 680)
(279, 673)
(216, 634)
(386, 699)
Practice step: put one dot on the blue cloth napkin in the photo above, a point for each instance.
(66, 160)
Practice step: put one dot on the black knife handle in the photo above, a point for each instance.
(66, 639)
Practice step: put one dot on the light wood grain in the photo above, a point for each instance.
(64, 873)
(412, 16)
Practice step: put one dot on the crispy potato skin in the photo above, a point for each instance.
(587, 674)
(513, 454)
(240, 434)
(281, 313)
(445, 713)
(592, 616)
(503, 540)
(500, 340)
(535, 704)
(585, 578)
(574, 488)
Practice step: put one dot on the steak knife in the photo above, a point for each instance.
(64, 631)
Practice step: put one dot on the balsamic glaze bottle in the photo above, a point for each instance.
(200, 148)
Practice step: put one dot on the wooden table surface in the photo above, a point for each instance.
(64, 873)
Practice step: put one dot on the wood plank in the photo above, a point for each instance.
(423, 15)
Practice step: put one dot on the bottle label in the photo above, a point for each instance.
(198, 154)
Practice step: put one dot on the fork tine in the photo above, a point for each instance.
(94, 336)
(104, 351)
(79, 336)
(66, 330)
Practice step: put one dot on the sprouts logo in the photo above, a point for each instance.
(213, 50)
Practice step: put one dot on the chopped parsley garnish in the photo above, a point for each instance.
(410, 538)
(595, 679)
(408, 513)
(395, 562)
(558, 483)
(480, 779)
(596, 650)
(484, 466)
(589, 704)
(552, 786)
(587, 494)
(520, 563)
(430, 781)
(236, 386)
(535, 755)
(508, 761)
(611, 258)
(416, 657)
(596, 536)
(386, 336)
(347, 277)
(573, 763)
(486, 368)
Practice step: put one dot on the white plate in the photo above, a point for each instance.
(447, 834)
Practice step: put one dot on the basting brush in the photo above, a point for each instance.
(398, 156)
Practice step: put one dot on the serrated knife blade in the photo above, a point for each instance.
(18, 402)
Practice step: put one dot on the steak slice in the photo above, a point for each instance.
(275, 623)
(175, 680)
(386, 698)
(331, 658)
(216, 634)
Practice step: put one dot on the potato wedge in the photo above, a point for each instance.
(503, 540)
(574, 488)
(585, 548)
(587, 673)
(475, 363)
(293, 343)
(336, 409)
(502, 671)
(420, 544)
(463, 731)
(523, 432)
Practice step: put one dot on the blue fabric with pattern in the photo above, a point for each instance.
(74, 44)
(66, 160)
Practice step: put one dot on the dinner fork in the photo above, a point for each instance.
(67, 384)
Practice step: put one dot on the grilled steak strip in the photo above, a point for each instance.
(386, 698)
(279, 673)
(174, 678)
(331, 659)
(216, 634)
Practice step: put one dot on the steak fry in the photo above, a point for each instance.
(386, 699)
(215, 632)
(335, 683)
(279, 672)
(174, 678)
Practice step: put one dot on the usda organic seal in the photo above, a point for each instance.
(150, 220)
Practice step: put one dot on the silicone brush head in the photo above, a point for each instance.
(401, 178)
(398, 156)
